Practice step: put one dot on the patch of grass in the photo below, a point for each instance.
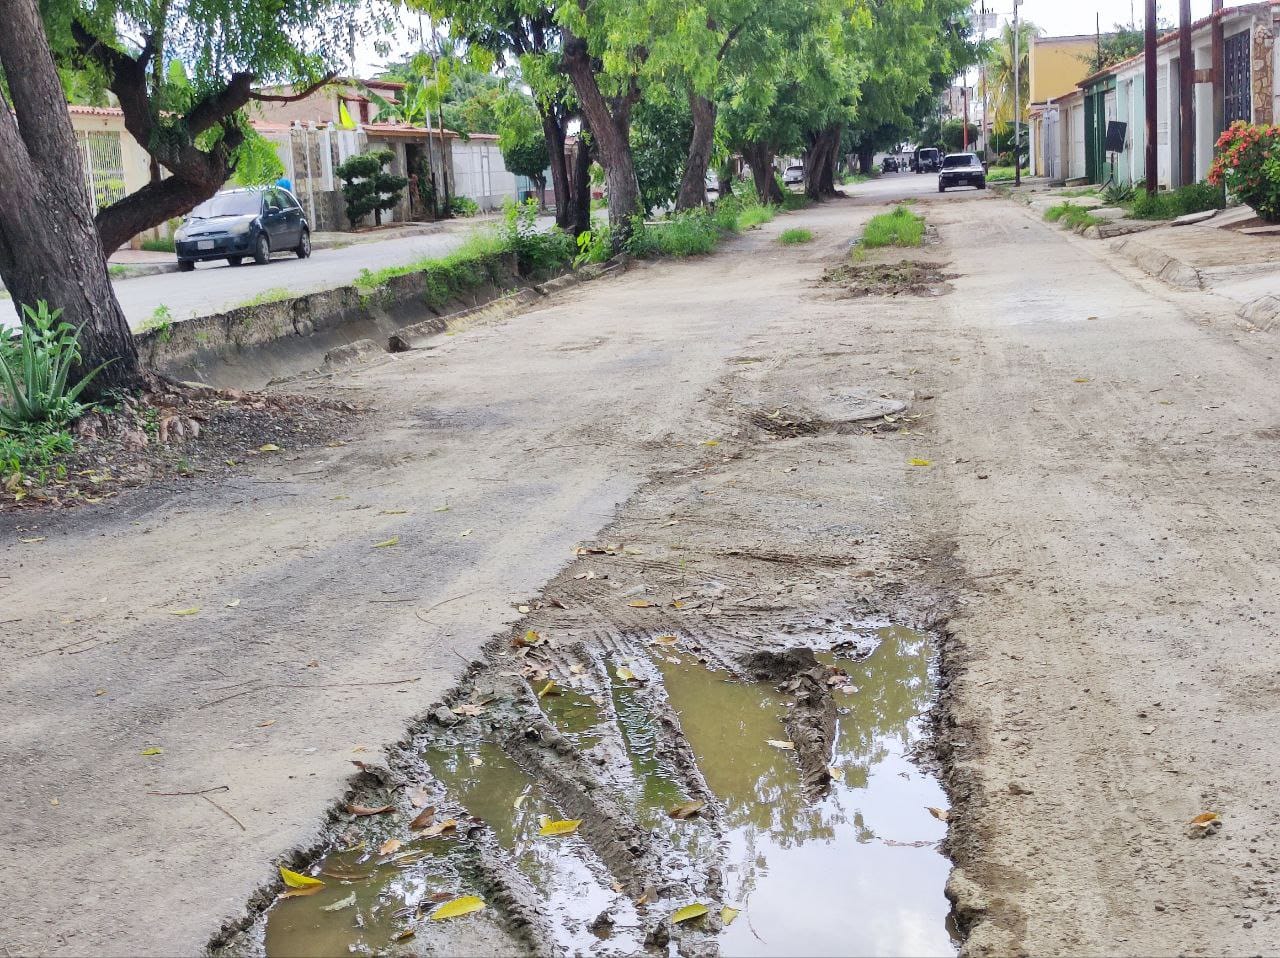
(899, 228)
(480, 245)
(275, 295)
(795, 236)
(34, 456)
(162, 245)
(1170, 204)
(795, 201)
(159, 322)
(117, 271)
(1000, 174)
(1078, 192)
(1072, 216)
(752, 216)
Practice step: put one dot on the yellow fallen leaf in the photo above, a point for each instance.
(921, 462)
(677, 604)
(1080, 379)
(712, 442)
(295, 880)
(387, 543)
(268, 447)
(439, 828)
(458, 907)
(389, 846)
(639, 603)
(1205, 819)
(688, 913)
(550, 828)
(191, 611)
(153, 750)
(54, 802)
(788, 746)
(406, 934)
(941, 814)
(727, 915)
(548, 689)
(666, 640)
(624, 673)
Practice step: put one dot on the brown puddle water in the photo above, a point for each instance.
(855, 873)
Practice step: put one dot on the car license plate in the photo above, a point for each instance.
(204, 244)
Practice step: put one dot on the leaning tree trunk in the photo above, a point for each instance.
(553, 132)
(693, 186)
(49, 248)
(580, 187)
(865, 159)
(760, 158)
(819, 163)
(610, 129)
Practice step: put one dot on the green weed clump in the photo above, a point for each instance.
(1000, 174)
(795, 236)
(162, 245)
(1072, 216)
(898, 228)
(1170, 204)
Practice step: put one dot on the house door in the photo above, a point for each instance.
(1239, 105)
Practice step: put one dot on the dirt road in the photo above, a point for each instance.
(1058, 465)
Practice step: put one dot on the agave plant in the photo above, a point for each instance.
(34, 372)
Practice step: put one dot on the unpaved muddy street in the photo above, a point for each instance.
(740, 563)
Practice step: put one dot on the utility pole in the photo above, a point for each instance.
(1017, 100)
(982, 73)
(1149, 65)
(1218, 64)
(964, 121)
(1186, 97)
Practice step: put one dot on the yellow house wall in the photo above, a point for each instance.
(1056, 66)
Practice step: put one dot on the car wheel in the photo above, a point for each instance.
(186, 265)
(982, 184)
(304, 245)
(262, 249)
(235, 260)
(941, 188)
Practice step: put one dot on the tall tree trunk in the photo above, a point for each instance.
(760, 158)
(553, 131)
(693, 186)
(49, 248)
(580, 187)
(865, 158)
(610, 128)
(819, 180)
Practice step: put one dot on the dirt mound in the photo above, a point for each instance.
(906, 278)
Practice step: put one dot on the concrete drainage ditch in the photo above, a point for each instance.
(776, 790)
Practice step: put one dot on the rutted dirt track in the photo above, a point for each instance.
(1089, 527)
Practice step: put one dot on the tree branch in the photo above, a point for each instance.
(292, 97)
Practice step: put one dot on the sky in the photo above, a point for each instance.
(1060, 17)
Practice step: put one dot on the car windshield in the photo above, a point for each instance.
(228, 204)
(928, 154)
(959, 160)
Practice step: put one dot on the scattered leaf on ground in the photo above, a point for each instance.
(789, 746)
(624, 673)
(389, 847)
(423, 819)
(577, 669)
(387, 543)
(520, 800)
(686, 810)
(295, 880)
(406, 934)
(191, 611)
(1205, 819)
(339, 905)
(458, 907)
(233, 604)
(153, 750)
(549, 689)
(267, 724)
(301, 892)
(727, 915)
(268, 447)
(688, 913)
(836, 773)
(440, 509)
(648, 896)
(666, 640)
(941, 814)
(33, 540)
(362, 810)
(97, 692)
(921, 462)
(418, 797)
(530, 638)
(439, 828)
(1080, 379)
(551, 828)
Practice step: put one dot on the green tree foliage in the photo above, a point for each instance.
(367, 186)
(1000, 72)
(521, 138)
(660, 140)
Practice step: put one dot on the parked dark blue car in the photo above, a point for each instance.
(235, 224)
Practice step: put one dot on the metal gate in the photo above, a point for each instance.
(103, 166)
(1239, 101)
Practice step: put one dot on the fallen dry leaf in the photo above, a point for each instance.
(406, 934)
(423, 819)
(387, 543)
(1205, 819)
(688, 913)
(361, 811)
(233, 604)
(549, 689)
(648, 896)
(667, 640)
(727, 915)
(297, 880)
(267, 724)
(340, 904)
(686, 810)
(268, 447)
(418, 797)
(191, 611)
(458, 907)
(941, 814)
(439, 828)
(836, 773)
(153, 750)
(640, 603)
(624, 674)
(390, 846)
(788, 746)
(921, 462)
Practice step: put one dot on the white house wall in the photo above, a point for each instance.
(480, 174)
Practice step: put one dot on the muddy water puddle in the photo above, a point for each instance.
(854, 870)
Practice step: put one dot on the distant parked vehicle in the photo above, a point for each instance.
(926, 160)
(889, 164)
(235, 224)
(794, 175)
(962, 169)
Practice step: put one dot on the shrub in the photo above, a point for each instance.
(1170, 204)
(537, 251)
(34, 373)
(754, 215)
(1118, 195)
(34, 454)
(899, 228)
(594, 245)
(1071, 216)
(1000, 174)
(1248, 164)
(795, 236)
(690, 233)
(463, 206)
(162, 245)
(367, 187)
